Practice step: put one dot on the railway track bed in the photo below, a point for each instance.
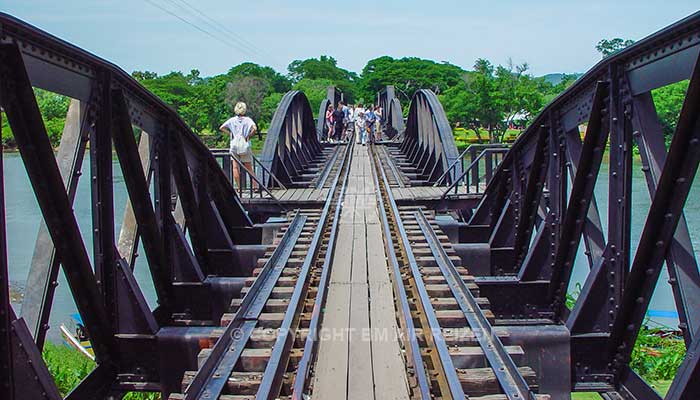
(327, 270)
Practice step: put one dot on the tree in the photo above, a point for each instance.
(315, 91)
(669, 101)
(519, 93)
(268, 108)
(144, 75)
(608, 47)
(490, 98)
(408, 75)
(248, 89)
(325, 67)
(278, 82)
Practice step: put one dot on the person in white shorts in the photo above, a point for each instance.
(359, 118)
(241, 129)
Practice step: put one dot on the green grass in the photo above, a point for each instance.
(465, 137)
(68, 367)
(661, 387)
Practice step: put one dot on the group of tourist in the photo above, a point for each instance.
(344, 121)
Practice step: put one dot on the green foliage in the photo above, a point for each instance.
(657, 356)
(250, 90)
(491, 98)
(315, 91)
(573, 296)
(407, 74)
(68, 367)
(8, 139)
(204, 103)
(267, 109)
(668, 101)
(608, 47)
(325, 68)
(278, 82)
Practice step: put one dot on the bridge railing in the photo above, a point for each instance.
(250, 183)
(478, 163)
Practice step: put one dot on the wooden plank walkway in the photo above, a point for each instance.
(431, 192)
(359, 354)
(295, 195)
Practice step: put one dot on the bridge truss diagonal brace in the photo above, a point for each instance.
(140, 198)
(27, 125)
(580, 199)
(680, 258)
(43, 273)
(662, 220)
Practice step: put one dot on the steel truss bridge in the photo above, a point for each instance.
(464, 257)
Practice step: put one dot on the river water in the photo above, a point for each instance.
(23, 218)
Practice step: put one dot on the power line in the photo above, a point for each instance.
(229, 33)
(195, 26)
(220, 27)
(221, 32)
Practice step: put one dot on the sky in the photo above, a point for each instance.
(551, 36)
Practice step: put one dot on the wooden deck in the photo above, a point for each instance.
(293, 195)
(422, 193)
(359, 355)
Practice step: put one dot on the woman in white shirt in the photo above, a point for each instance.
(241, 129)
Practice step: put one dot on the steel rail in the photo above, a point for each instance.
(212, 376)
(455, 387)
(392, 167)
(399, 288)
(304, 366)
(277, 364)
(512, 382)
(327, 170)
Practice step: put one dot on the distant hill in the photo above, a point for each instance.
(557, 77)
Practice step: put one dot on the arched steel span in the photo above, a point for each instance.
(291, 145)
(333, 96)
(428, 141)
(393, 124)
(194, 277)
(541, 204)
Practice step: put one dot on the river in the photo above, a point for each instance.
(23, 217)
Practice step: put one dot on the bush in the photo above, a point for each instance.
(68, 367)
(656, 355)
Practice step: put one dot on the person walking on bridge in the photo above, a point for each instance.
(378, 124)
(370, 120)
(349, 123)
(359, 120)
(338, 121)
(328, 126)
(241, 129)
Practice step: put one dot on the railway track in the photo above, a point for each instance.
(451, 347)
(266, 345)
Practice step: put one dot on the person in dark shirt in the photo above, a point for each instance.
(338, 119)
